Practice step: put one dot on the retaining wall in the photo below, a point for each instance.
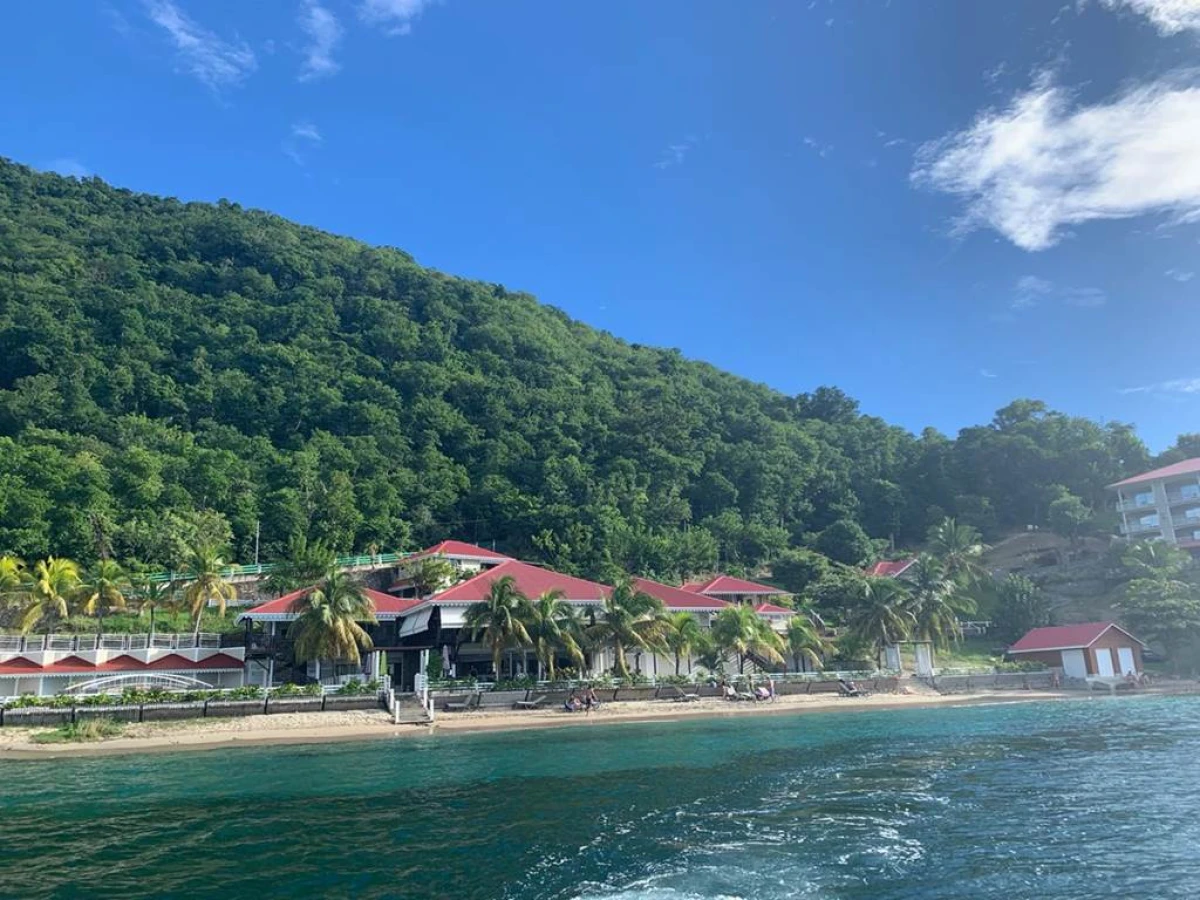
(34, 717)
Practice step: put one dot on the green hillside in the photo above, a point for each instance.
(168, 367)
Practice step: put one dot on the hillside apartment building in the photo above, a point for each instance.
(1163, 504)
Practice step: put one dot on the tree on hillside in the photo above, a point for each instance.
(103, 591)
(1068, 515)
(629, 620)
(329, 620)
(49, 591)
(1164, 611)
(206, 582)
(797, 570)
(844, 541)
(304, 565)
(498, 620)
(152, 596)
(1020, 606)
(12, 578)
(960, 549)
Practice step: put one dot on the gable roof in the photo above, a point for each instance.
(280, 609)
(678, 598)
(1186, 467)
(890, 568)
(529, 580)
(770, 609)
(1066, 637)
(727, 584)
(459, 550)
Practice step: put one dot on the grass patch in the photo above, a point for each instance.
(80, 732)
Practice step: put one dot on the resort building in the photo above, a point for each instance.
(464, 559)
(741, 591)
(51, 664)
(1093, 649)
(1163, 504)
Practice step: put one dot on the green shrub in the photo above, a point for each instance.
(80, 732)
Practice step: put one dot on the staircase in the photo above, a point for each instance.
(410, 711)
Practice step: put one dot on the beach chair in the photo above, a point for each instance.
(844, 690)
(467, 705)
(680, 695)
(535, 703)
(746, 695)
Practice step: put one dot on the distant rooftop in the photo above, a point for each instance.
(890, 568)
(1187, 467)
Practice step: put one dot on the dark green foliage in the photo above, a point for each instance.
(844, 541)
(1020, 606)
(172, 374)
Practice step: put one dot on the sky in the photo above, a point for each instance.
(937, 206)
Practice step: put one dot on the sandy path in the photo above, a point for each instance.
(303, 728)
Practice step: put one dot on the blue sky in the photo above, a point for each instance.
(938, 206)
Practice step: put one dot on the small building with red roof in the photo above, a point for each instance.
(890, 568)
(1089, 649)
(1162, 504)
(734, 590)
(465, 559)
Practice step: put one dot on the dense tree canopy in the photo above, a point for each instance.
(175, 375)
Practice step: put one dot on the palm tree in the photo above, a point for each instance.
(805, 642)
(682, 634)
(104, 591)
(937, 601)
(960, 548)
(498, 618)
(49, 591)
(328, 620)
(12, 578)
(881, 615)
(631, 619)
(306, 562)
(739, 629)
(430, 574)
(552, 625)
(153, 596)
(207, 582)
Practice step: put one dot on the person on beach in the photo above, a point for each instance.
(589, 699)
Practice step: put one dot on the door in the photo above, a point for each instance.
(1125, 657)
(1104, 666)
(1074, 665)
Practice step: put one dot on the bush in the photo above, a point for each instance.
(80, 732)
(354, 687)
(524, 683)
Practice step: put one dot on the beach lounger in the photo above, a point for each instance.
(680, 695)
(745, 695)
(535, 703)
(467, 705)
(846, 691)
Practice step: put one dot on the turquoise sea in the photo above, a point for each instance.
(1087, 799)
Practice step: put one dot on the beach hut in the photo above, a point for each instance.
(1088, 650)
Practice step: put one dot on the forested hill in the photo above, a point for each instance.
(169, 367)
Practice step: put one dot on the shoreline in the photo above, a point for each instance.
(316, 728)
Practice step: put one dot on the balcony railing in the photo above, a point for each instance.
(1177, 499)
(1139, 528)
(75, 643)
(1134, 505)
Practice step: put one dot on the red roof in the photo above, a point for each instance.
(529, 580)
(1187, 467)
(677, 598)
(386, 606)
(175, 661)
(890, 568)
(727, 584)
(460, 549)
(73, 665)
(1065, 637)
(771, 609)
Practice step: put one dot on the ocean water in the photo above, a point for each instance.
(1087, 799)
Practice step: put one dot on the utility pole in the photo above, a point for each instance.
(257, 533)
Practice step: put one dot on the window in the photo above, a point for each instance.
(1145, 498)
(1190, 491)
(1192, 512)
(1150, 520)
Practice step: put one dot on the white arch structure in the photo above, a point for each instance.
(139, 680)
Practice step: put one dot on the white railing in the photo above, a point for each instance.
(422, 687)
(1139, 528)
(86, 642)
(1132, 505)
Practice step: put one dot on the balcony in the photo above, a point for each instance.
(1139, 528)
(1135, 505)
(1178, 499)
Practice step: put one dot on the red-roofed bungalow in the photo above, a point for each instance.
(1091, 649)
(890, 568)
(734, 590)
(466, 559)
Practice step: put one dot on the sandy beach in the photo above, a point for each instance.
(306, 728)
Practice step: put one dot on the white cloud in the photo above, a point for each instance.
(822, 150)
(324, 34)
(396, 16)
(307, 131)
(1030, 291)
(674, 154)
(1180, 275)
(987, 373)
(215, 62)
(1174, 386)
(1168, 16)
(1040, 165)
(72, 168)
